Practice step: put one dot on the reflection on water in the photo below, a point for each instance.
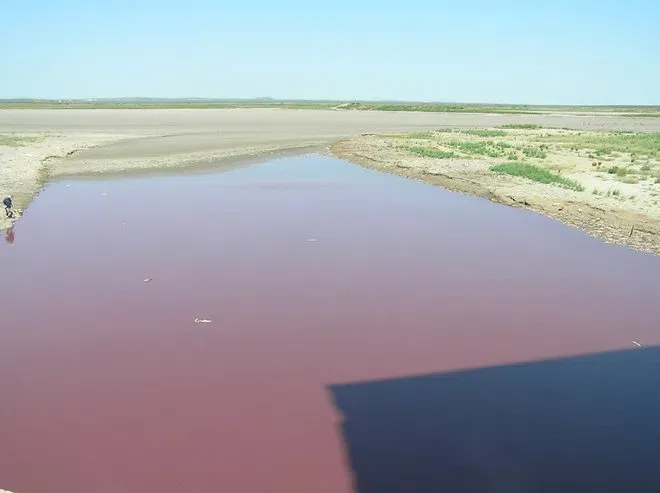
(585, 424)
(108, 384)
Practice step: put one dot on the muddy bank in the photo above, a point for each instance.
(27, 161)
(632, 223)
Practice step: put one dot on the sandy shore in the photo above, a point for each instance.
(618, 208)
(43, 145)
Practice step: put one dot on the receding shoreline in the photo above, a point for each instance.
(48, 145)
(52, 157)
(601, 218)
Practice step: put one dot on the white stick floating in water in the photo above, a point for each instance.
(202, 321)
(637, 344)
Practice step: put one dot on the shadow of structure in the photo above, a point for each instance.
(575, 425)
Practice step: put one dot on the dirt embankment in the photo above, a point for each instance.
(607, 184)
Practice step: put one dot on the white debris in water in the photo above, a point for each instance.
(311, 240)
(200, 321)
(637, 344)
(148, 279)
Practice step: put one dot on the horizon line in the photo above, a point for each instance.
(303, 100)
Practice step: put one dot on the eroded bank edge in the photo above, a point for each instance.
(617, 227)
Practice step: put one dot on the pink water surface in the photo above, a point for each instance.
(313, 272)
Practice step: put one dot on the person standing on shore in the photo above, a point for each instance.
(9, 206)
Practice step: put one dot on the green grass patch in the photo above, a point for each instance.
(647, 144)
(430, 152)
(480, 148)
(485, 133)
(17, 140)
(618, 170)
(416, 135)
(537, 174)
(643, 115)
(444, 107)
(468, 147)
(521, 126)
(534, 152)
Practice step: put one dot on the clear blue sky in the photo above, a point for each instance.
(509, 51)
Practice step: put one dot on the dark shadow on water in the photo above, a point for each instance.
(576, 425)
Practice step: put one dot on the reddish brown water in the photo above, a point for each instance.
(314, 273)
